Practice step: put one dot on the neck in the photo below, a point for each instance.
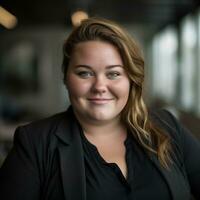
(101, 129)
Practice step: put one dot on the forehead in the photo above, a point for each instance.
(98, 50)
(94, 44)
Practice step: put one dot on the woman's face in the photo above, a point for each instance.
(97, 83)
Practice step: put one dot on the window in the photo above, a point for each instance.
(188, 63)
(165, 64)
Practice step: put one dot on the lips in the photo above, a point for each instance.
(100, 100)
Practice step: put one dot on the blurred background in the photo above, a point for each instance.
(31, 38)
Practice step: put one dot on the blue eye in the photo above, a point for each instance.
(113, 75)
(85, 74)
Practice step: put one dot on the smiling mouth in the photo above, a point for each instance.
(99, 101)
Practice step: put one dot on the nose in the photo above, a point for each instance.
(99, 85)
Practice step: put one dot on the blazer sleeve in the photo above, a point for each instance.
(189, 151)
(19, 178)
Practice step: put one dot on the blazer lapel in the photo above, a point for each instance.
(71, 159)
(174, 179)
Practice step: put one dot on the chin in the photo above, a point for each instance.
(102, 118)
(99, 118)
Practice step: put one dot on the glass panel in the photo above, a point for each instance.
(188, 62)
(198, 66)
(165, 64)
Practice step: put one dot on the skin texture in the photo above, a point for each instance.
(97, 83)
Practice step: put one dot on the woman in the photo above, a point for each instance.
(106, 145)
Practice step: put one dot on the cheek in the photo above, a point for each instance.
(122, 89)
(76, 87)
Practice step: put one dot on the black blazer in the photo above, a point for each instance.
(46, 161)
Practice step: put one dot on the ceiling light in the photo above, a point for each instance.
(77, 17)
(7, 19)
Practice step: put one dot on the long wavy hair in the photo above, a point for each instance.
(135, 114)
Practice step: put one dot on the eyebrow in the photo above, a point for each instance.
(107, 67)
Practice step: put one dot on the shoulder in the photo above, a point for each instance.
(171, 126)
(46, 128)
(47, 123)
(167, 121)
(176, 131)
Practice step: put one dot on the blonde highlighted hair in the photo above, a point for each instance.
(135, 114)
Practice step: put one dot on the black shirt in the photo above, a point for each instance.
(106, 181)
